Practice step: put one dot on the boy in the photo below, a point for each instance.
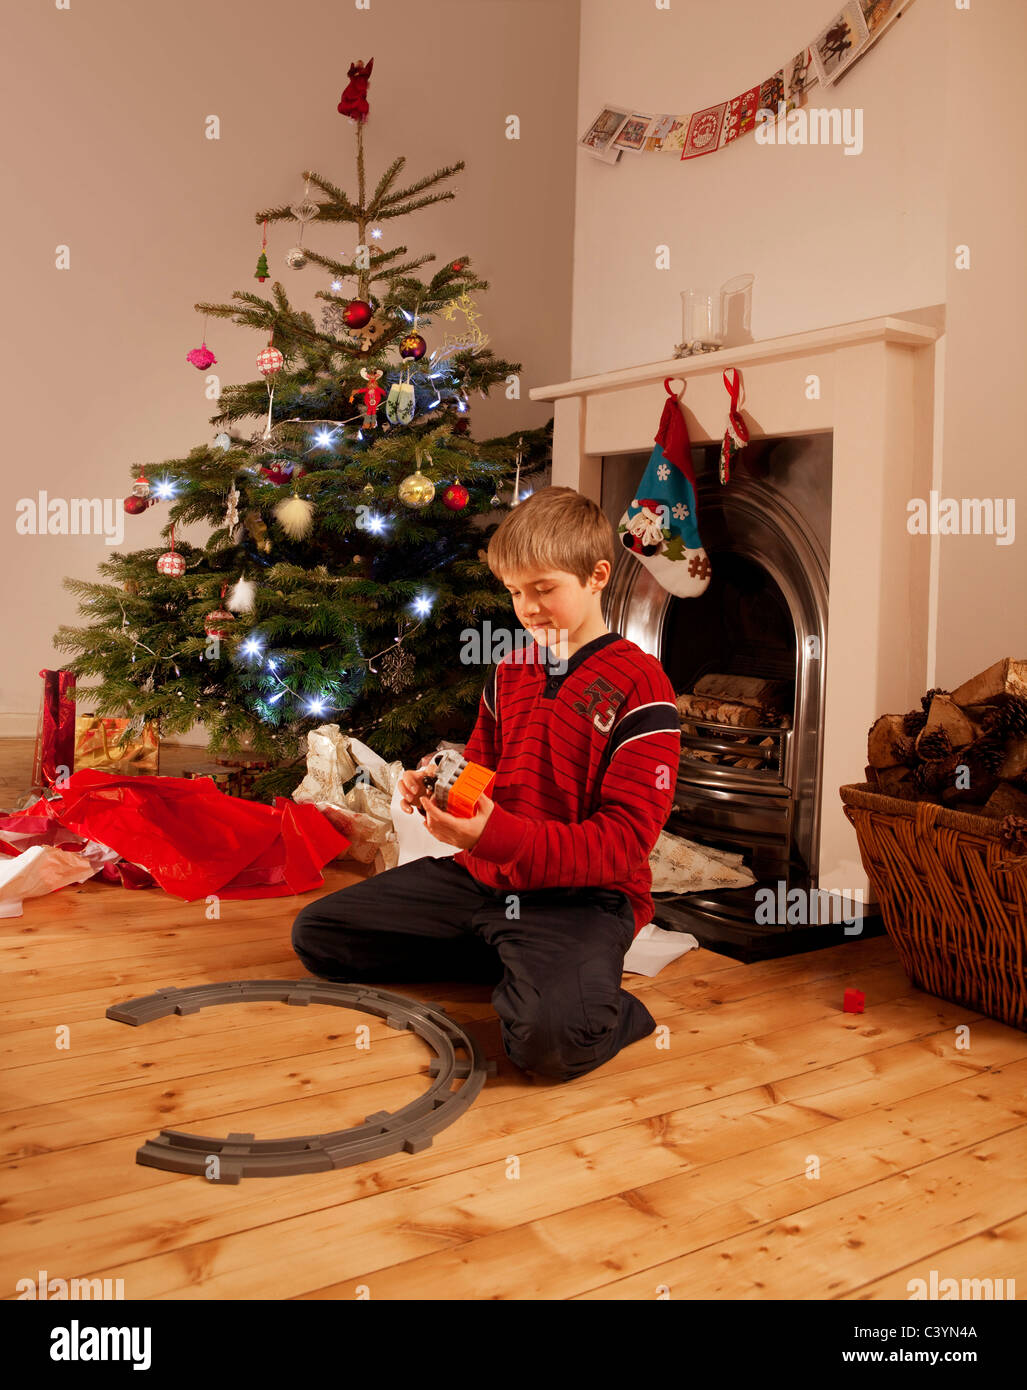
(551, 882)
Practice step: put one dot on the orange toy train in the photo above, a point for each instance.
(456, 784)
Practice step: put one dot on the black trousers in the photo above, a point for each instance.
(555, 955)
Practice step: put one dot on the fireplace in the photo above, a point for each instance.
(763, 615)
(844, 416)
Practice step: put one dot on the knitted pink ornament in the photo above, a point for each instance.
(201, 357)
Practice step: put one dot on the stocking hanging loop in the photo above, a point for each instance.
(675, 396)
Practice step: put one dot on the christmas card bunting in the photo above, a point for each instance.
(663, 127)
(633, 132)
(855, 27)
(838, 45)
(599, 137)
(740, 116)
(704, 131)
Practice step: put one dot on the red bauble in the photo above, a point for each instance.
(413, 345)
(455, 497)
(135, 505)
(171, 563)
(357, 313)
(461, 426)
(458, 265)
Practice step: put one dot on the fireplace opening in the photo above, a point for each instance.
(731, 659)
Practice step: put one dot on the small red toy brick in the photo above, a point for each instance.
(853, 1001)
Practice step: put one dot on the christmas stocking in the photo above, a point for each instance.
(659, 527)
(399, 407)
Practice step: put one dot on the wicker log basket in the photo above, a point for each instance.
(953, 898)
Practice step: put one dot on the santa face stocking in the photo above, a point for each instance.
(659, 527)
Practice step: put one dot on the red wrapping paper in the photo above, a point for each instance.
(190, 837)
(55, 733)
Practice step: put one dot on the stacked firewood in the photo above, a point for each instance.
(965, 748)
(746, 702)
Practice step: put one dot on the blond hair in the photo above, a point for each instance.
(554, 528)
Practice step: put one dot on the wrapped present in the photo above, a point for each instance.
(54, 758)
(234, 777)
(115, 745)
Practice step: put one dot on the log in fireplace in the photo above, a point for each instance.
(763, 615)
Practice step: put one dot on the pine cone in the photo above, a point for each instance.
(913, 722)
(925, 700)
(934, 746)
(988, 753)
(931, 778)
(905, 751)
(1006, 716)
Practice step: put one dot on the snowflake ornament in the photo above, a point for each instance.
(681, 511)
(663, 472)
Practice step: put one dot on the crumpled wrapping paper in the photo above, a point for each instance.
(186, 835)
(363, 813)
(369, 814)
(38, 870)
(682, 866)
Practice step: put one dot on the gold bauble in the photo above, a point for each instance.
(416, 490)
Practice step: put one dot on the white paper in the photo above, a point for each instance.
(39, 870)
(653, 948)
(415, 839)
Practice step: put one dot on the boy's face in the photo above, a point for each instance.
(551, 602)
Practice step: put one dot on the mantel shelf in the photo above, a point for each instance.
(890, 330)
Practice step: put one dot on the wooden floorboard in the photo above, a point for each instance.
(763, 1144)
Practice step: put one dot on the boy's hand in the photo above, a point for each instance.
(411, 785)
(457, 830)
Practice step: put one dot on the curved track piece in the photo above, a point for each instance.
(407, 1130)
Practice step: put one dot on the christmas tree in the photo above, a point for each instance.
(345, 563)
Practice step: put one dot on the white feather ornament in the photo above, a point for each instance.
(243, 596)
(295, 515)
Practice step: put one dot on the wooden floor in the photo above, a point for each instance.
(685, 1169)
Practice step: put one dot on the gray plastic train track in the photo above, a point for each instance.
(407, 1130)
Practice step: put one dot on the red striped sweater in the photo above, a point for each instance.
(586, 760)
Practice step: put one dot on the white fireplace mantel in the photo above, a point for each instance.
(871, 385)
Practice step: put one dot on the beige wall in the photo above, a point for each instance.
(832, 237)
(982, 598)
(106, 154)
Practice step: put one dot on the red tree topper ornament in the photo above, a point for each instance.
(354, 98)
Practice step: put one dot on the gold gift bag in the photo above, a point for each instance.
(98, 745)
